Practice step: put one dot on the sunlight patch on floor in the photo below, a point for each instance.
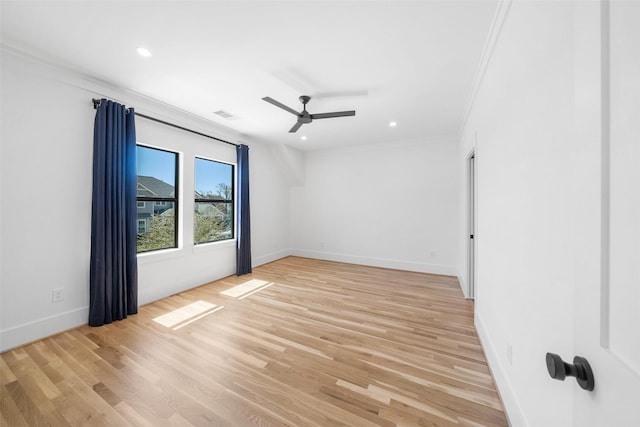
(187, 314)
(247, 288)
(198, 317)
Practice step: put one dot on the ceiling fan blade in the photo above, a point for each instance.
(279, 104)
(335, 114)
(295, 127)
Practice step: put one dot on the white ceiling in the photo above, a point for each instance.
(412, 62)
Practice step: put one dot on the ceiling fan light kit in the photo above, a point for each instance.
(304, 116)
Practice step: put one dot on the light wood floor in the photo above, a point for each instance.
(326, 344)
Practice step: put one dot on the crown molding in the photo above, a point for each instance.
(502, 10)
(52, 68)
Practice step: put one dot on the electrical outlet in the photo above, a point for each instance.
(510, 353)
(432, 254)
(56, 295)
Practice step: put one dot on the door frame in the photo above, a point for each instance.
(471, 221)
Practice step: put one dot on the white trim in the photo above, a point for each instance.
(267, 258)
(215, 244)
(471, 221)
(494, 34)
(196, 156)
(513, 410)
(41, 328)
(66, 73)
(463, 285)
(359, 260)
(150, 257)
(395, 264)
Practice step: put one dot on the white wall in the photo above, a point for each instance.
(391, 205)
(46, 158)
(269, 206)
(522, 116)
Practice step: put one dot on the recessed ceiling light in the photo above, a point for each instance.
(143, 52)
(392, 124)
(304, 138)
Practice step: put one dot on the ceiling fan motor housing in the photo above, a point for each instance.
(304, 117)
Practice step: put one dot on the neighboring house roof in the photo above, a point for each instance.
(149, 186)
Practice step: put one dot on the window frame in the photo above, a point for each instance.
(173, 200)
(232, 201)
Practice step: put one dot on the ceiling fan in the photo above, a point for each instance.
(304, 116)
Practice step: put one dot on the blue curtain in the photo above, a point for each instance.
(113, 276)
(243, 253)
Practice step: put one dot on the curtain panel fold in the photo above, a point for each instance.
(113, 275)
(243, 251)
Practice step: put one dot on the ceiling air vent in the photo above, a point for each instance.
(224, 115)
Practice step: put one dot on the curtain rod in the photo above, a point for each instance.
(96, 103)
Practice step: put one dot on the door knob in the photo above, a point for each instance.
(559, 370)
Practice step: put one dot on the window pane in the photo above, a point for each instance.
(213, 180)
(158, 231)
(156, 171)
(212, 221)
(213, 208)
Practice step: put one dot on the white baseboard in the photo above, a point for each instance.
(515, 415)
(446, 270)
(274, 256)
(42, 328)
(463, 285)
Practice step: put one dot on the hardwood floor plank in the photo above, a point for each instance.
(6, 374)
(11, 414)
(319, 343)
(196, 382)
(77, 410)
(28, 406)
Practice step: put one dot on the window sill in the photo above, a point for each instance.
(173, 253)
(160, 255)
(216, 245)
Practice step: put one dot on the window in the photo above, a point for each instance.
(213, 208)
(157, 183)
(142, 226)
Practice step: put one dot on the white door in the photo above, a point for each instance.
(606, 183)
